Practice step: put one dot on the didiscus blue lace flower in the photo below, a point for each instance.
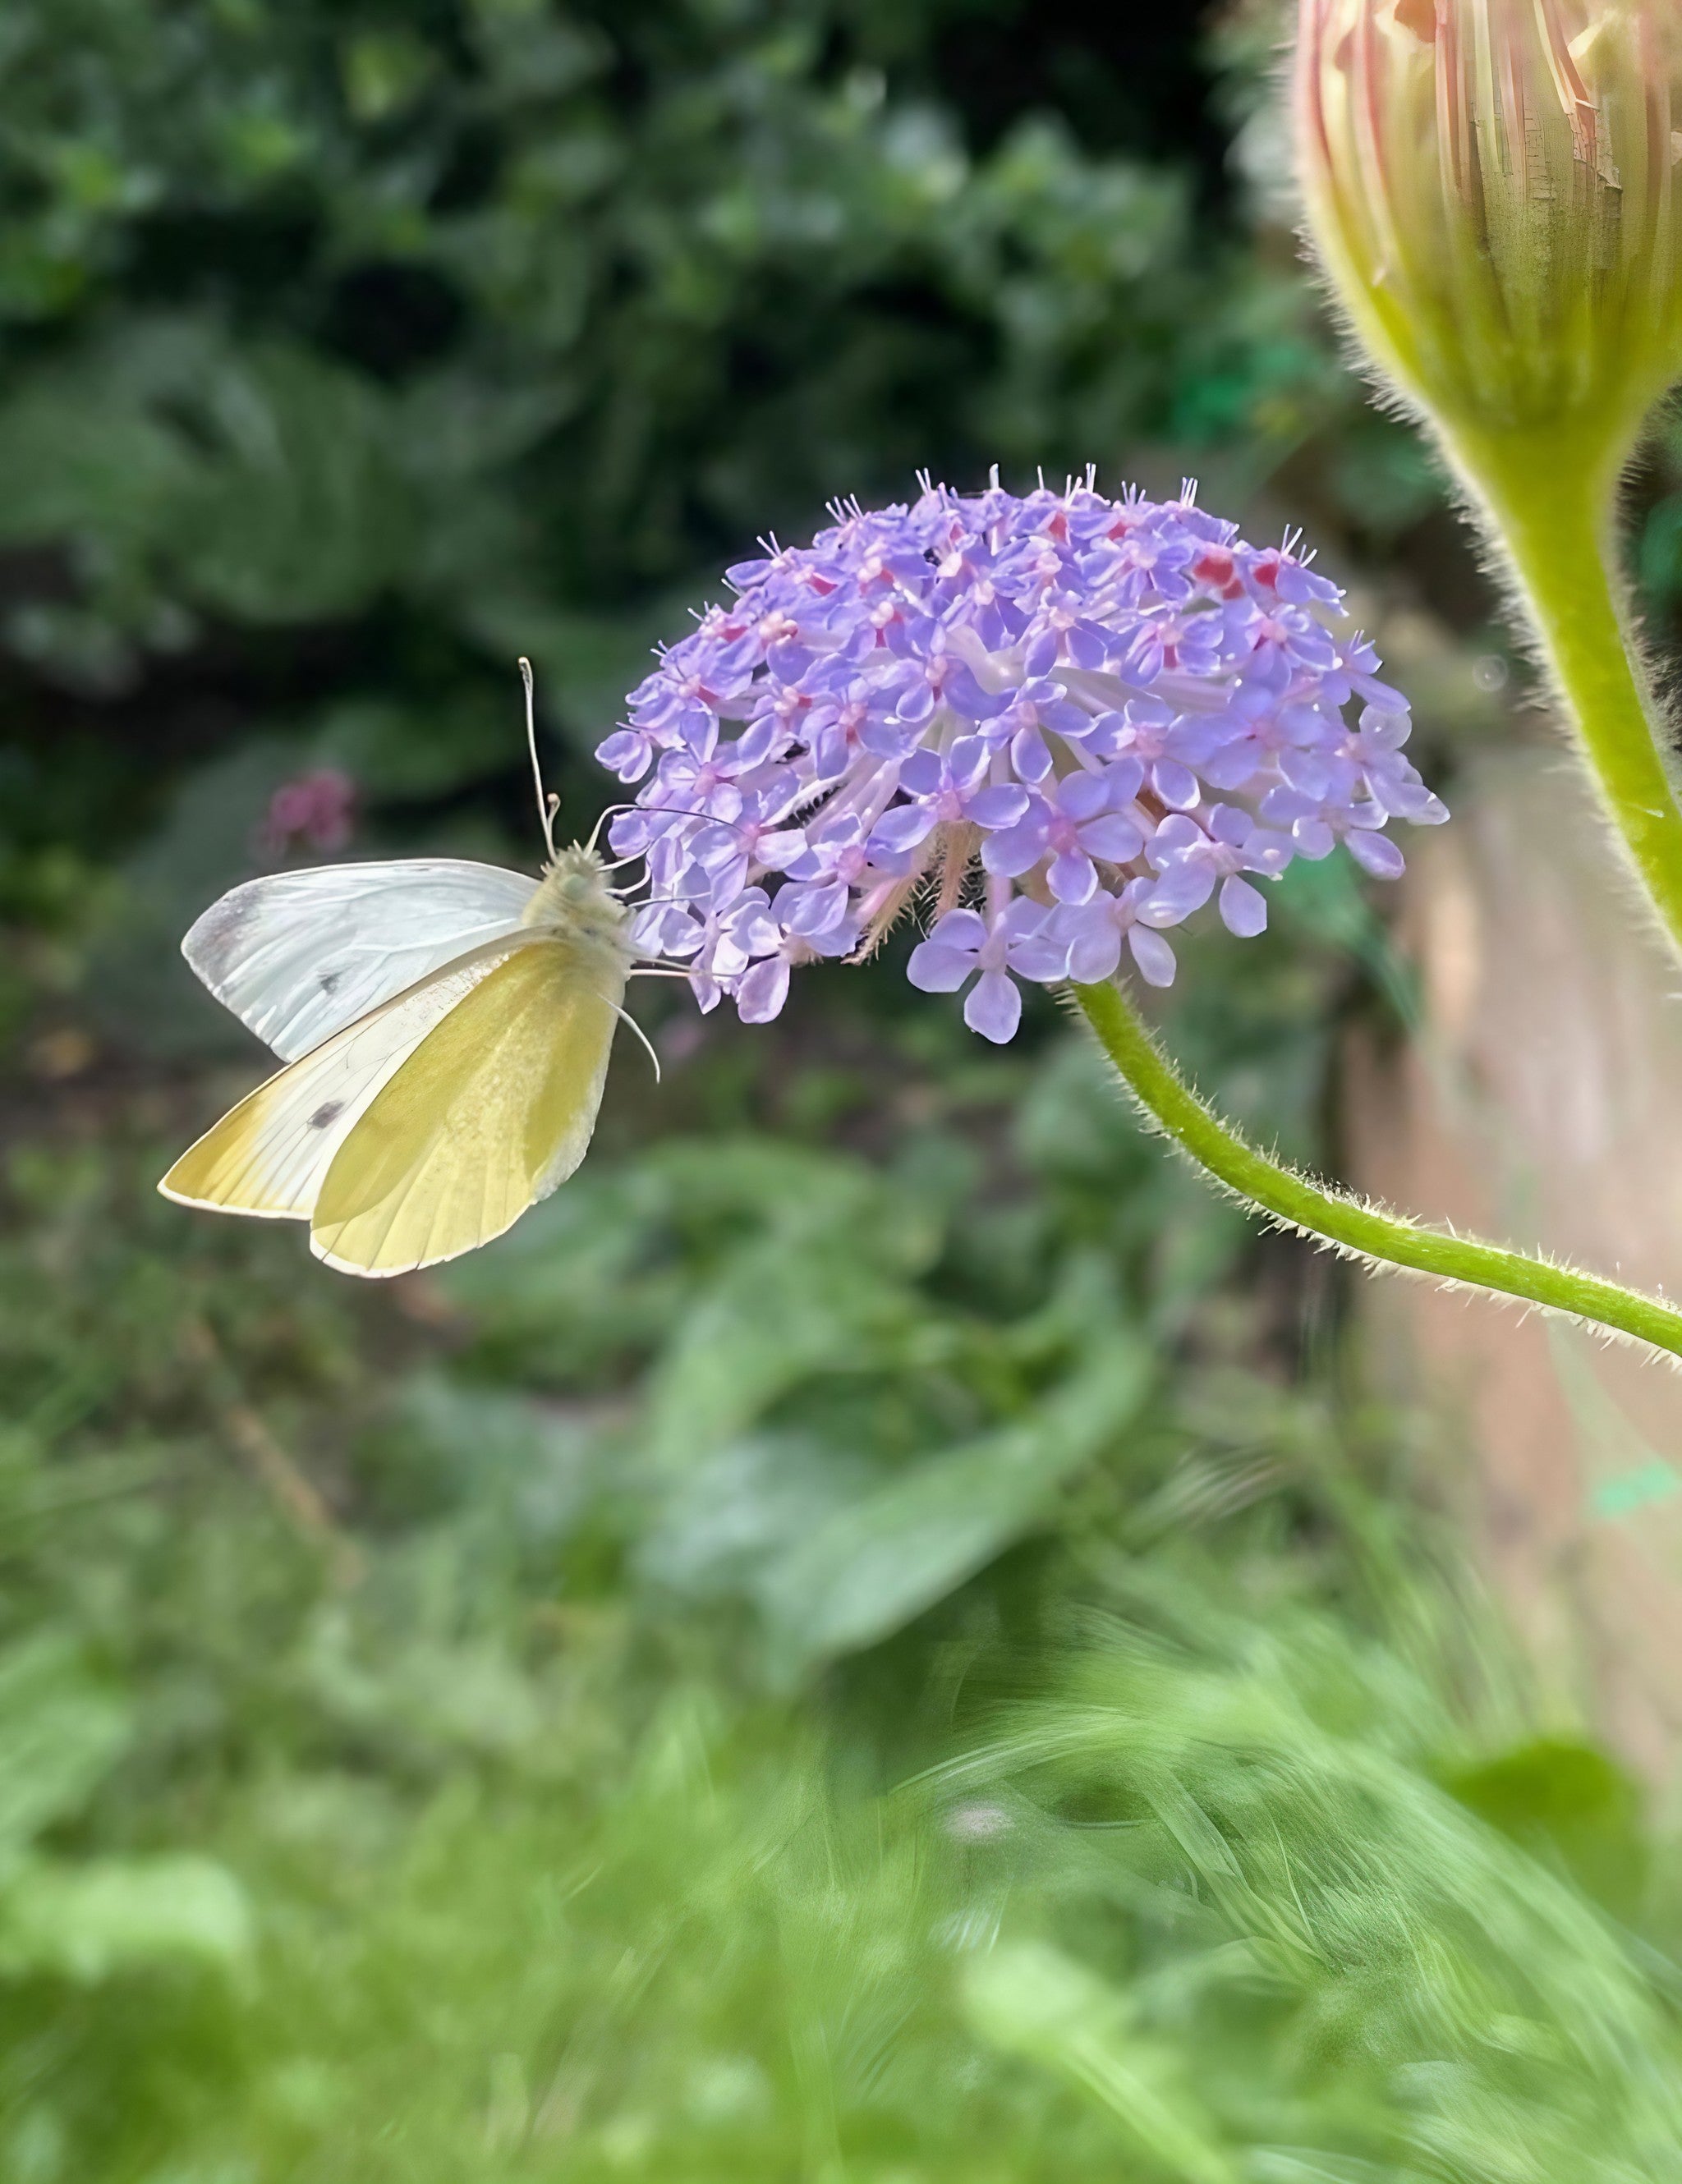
(1058, 723)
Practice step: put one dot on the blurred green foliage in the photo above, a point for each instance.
(875, 1636)
(443, 332)
(789, 1671)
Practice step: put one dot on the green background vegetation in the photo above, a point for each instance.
(878, 1636)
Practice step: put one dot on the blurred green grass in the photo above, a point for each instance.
(778, 1669)
(877, 1635)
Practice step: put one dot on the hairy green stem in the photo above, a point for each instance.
(1386, 1239)
(1553, 504)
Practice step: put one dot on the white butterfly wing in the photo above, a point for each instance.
(298, 955)
(269, 1156)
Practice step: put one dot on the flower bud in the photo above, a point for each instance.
(1492, 187)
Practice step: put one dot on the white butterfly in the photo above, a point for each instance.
(448, 1027)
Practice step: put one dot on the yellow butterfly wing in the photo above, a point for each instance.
(494, 1109)
(269, 1155)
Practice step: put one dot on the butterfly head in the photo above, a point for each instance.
(574, 902)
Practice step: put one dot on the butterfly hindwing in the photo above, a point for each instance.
(492, 1109)
(269, 1155)
(298, 955)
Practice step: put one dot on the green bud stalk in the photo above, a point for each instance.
(1493, 189)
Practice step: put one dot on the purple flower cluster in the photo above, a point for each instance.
(1066, 722)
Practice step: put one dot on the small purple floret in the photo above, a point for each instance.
(1076, 720)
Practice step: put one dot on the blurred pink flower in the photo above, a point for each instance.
(316, 810)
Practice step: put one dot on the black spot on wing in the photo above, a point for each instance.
(330, 981)
(328, 1111)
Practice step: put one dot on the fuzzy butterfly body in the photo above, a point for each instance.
(447, 1028)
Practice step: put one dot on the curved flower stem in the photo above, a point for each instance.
(1551, 505)
(1386, 1239)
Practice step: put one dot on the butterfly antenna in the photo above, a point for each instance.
(547, 804)
(611, 812)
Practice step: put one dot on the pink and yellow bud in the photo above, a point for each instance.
(1493, 185)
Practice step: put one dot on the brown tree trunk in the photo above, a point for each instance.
(1541, 1103)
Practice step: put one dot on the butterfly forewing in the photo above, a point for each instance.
(490, 1112)
(298, 955)
(270, 1154)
